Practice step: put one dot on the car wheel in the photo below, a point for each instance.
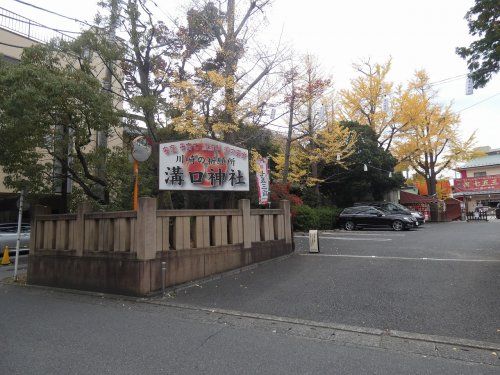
(349, 225)
(397, 225)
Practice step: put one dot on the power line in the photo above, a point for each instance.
(34, 23)
(52, 12)
(482, 101)
(447, 79)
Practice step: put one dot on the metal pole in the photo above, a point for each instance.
(135, 203)
(163, 272)
(18, 242)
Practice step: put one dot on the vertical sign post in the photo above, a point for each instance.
(263, 181)
(313, 241)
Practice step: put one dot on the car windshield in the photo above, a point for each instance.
(395, 207)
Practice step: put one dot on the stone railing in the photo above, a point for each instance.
(90, 250)
(149, 230)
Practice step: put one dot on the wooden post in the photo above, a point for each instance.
(285, 206)
(37, 210)
(145, 235)
(80, 227)
(244, 206)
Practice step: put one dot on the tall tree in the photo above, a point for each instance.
(314, 137)
(431, 141)
(50, 112)
(371, 101)
(233, 86)
(347, 183)
(483, 54)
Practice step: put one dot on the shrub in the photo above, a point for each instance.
(307, 218)
(327, 217)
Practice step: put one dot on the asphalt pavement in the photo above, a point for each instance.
(442, 279)
(47, 331)
(372, 302)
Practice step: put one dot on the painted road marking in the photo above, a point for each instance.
(351, 238)
(364, 234)
(359, 234)
(402, 258)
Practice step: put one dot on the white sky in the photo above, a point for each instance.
(416, 35)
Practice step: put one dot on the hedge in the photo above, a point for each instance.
(307, 218)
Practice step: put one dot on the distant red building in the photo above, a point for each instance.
(479, 182)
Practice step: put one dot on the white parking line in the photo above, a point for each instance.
(364, 234)
(350, 238)
(402, 258)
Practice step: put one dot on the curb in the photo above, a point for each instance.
(374, 332)
(222, 275)
(476, 344)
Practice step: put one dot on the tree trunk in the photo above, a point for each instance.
(431, 184)
(314, 164)
(229, 50)
(288, 146)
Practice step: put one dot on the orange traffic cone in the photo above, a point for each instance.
(5, 258)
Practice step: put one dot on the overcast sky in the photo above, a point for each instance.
(416, 35)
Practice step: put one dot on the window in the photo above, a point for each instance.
(479, 174)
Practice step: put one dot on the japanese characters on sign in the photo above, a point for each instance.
(203, 164)
(485, 183)
(263, 180)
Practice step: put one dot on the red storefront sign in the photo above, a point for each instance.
(477, 184)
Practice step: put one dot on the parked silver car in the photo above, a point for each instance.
(8, 236)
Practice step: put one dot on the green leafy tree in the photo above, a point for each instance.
(50, 112)
(346, 186)
(483, 54)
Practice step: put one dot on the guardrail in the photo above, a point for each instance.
(29, 28)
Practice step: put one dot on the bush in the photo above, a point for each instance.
(327, 217)
(305, 218)
(322, 218)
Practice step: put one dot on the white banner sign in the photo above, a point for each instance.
(263, 180)
(203, 164)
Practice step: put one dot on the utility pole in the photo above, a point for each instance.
(102, 137)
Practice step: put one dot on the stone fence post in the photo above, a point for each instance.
(244, 206)
(82, 209)
(145, 229)
(37, 210)
(285, 206)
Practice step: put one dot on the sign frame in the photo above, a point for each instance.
(203, 164)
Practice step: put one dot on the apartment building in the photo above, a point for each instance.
(16, 33)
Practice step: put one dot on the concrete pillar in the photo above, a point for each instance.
(145, 228)
(36, 210)
(244, 206)
(82, 209)
(285, 206)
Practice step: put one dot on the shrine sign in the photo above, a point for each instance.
(203, 164)
(477, 184)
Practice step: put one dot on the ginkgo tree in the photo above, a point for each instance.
(314, 136)
(372, 100)
(431, 141)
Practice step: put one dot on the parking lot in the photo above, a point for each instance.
(441, 279)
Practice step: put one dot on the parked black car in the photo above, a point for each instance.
(368, 216)
(395, 208)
